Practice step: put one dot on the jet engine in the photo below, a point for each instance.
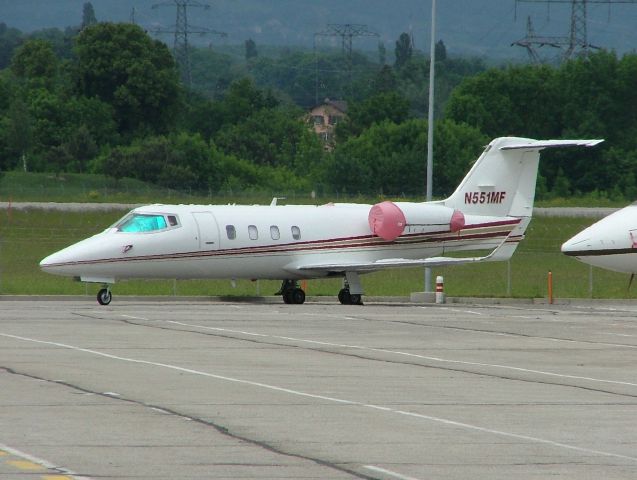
(389, 220)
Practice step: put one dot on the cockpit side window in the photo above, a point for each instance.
(138, 222)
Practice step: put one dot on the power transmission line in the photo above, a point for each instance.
(347, 32)
(576, 42)
(181, 47)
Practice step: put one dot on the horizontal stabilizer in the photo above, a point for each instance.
(538, 144)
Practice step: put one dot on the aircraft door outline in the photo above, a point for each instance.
(207, 230)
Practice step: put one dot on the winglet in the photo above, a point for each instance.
(499, 253)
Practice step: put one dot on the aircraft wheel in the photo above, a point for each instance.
(355, 299)
(104, 296)
(344, 297)
(287, 296)
(297, 296)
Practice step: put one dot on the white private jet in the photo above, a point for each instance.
(610, 243)
(490, 211)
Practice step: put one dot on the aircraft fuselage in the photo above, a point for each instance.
(199, 241)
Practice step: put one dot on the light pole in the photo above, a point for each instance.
(430, 121)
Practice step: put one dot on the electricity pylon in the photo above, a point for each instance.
(181, 47)
(347, 32)
(573, 44)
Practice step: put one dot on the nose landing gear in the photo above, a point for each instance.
(104, 296)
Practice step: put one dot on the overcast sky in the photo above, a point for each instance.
(480, 27)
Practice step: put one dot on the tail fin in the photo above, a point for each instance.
(502, 181)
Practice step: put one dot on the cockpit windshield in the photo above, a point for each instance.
(138, 222)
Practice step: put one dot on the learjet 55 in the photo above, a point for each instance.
(489, 211)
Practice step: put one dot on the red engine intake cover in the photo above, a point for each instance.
(457, 221)
(387, 220)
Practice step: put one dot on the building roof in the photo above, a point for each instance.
(340, 105)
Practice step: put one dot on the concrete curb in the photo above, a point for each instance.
(586, 302)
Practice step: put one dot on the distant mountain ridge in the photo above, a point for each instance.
(468, 27)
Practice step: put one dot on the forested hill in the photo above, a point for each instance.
(108, 98)
(468, 27)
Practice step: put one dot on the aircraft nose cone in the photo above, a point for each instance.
(47, 263)
(575, 245)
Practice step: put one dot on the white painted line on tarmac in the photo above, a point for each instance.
(132, 317)
(40, 461)
(459, 310)
(416, 355)
(389, 472)
(419, 416)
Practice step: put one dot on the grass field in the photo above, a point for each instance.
(90, 188)
(28, 236)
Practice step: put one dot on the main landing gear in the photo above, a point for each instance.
(104, 296)
(291, 292)
(352, 291)
(350, 294)
(348, 298)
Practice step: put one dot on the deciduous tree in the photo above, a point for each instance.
(123, 66)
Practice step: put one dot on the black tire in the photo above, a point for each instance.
(355, 299)
(297, 296)
(344, 297)
(287, 297)
(104, 296)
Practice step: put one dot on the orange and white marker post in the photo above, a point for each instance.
(440, 289)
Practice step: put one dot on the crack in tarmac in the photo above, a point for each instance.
(219, 428)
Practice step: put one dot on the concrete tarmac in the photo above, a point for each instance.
(206, 390)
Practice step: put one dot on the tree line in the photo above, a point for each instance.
(111, 102)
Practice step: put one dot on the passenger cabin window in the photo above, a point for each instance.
(172, 220)
(274, 232)
(139, 222)
(253, 233)
(231, 232)
(296, 233)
